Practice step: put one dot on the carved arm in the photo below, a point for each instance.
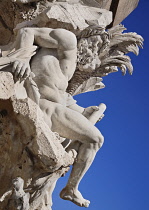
(92, 113)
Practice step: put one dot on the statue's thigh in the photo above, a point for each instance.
(73, 125)
(48, 108)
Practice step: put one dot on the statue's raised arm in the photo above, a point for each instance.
(60, 39)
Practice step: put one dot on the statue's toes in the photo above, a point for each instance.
(82, 203)
(75, 198)
(86, 203)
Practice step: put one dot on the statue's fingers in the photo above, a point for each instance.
(18, 70)
(96, 108)
(22, 72)
(26, 73)
(15, 64)
(101, 117)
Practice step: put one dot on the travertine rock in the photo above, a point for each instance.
(120, 8)
(28, 148)
(62, 16)
(13, 13)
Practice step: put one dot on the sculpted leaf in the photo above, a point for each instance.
(102, 52)
(92, 84)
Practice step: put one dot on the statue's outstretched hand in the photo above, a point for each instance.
(94, 113)
(90, 110)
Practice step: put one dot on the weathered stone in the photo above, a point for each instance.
(62, 16)
(28, 147)
(6, 85)
(120, 8)
(124, 8)
(11, 14)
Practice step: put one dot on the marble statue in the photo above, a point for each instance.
(50, 66)
(54, 66)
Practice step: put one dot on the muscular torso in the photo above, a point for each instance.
(55, 62)
(49, 76)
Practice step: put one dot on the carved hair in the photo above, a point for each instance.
(87, 53)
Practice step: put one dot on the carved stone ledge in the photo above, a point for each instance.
(62, 16)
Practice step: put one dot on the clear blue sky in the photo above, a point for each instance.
(119, 176)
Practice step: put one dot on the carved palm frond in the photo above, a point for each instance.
(112, 58)
(110, 65)
(124, 42)
(91, 84)
(116, 30)
(120, 44)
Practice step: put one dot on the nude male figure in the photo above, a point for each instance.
(53, 66)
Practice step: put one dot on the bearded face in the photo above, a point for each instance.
(88, 51)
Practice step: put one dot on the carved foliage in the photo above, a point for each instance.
(107, 54)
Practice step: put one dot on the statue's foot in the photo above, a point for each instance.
(74, 196)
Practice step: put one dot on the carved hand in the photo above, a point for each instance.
(91, 109)
(20, 59)
(94, 113)
(21, 69)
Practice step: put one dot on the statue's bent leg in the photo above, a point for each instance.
(73, 125)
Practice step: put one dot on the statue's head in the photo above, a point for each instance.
(91, 42)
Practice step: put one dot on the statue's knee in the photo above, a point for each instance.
(100, 141)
